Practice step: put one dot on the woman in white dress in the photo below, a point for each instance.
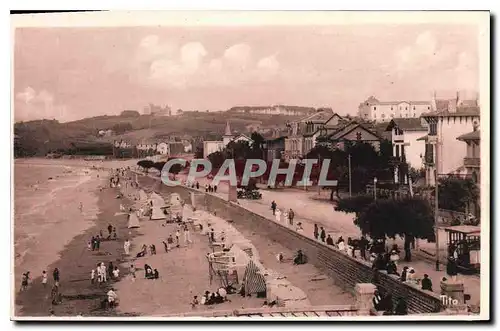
(278, 215)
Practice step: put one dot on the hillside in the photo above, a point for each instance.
(36, 138)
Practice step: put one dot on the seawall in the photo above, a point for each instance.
(345, 270)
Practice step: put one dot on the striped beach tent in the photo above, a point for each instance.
(254, 281)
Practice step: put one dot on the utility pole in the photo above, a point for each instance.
(436, 202)
(350, 191)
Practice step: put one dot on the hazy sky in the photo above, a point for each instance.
(72, 73)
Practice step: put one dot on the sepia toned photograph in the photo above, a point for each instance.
(205, 165)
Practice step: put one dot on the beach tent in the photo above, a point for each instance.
(157, 200)
(175, 199)
(143, 197)
(133, 221)
(254, 281)
(157, 213)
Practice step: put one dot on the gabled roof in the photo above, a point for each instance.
(351, 127)
(321, 116)
(406, 124)
(474, 135)
(241, 135)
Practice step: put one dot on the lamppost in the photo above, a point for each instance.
(349, 159)
(375, 188)
(436, 203)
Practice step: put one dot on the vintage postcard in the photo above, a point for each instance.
(251, 166)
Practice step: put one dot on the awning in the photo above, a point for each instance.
(423, 138)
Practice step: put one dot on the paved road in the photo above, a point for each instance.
(311, 211)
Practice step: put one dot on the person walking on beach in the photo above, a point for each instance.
(24, 281)
(81, 207)
(291, 215)
(197, 185)
(44, 278)
(273, 207)
(92, 277)
(215, 188)
(99, 274)
(97, 243)
(323, 234)
(115, 236)
(187, 235)
(56, 276)
(110, 229)
(102, 273)
(126, 247)
(110, 270)
(132, 272)
(316, 231)
(177, 235)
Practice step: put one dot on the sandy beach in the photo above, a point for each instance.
(49, 230)
(178, 267)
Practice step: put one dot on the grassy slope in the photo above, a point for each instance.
(42, 136)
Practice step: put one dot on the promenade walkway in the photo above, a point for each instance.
(310, 211)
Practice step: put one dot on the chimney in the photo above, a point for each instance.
(433, 102)
(459, 101)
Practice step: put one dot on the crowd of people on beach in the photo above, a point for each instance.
(211, 298)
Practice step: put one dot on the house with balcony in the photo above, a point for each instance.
(302, 134)
(448, 120)
(274, 148)
(406, 146)
(472, 159)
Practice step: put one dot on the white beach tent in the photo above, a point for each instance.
(157, 200)
(143, 197)
(157, 213)
(133, 221)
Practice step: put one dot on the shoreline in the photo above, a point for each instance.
(75, 263)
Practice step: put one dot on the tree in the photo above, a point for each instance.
(457, 193)
(409, 218)
(145, 164)
(159, 165)
(258, 144)
(355, 204)
(216, 159)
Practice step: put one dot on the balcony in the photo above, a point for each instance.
(398, 137)
(472, 162)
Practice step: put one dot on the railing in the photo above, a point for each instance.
(399, 137)
(312, 311)
(472, 162)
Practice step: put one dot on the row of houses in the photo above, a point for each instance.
(144, 149)
(450, 128)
